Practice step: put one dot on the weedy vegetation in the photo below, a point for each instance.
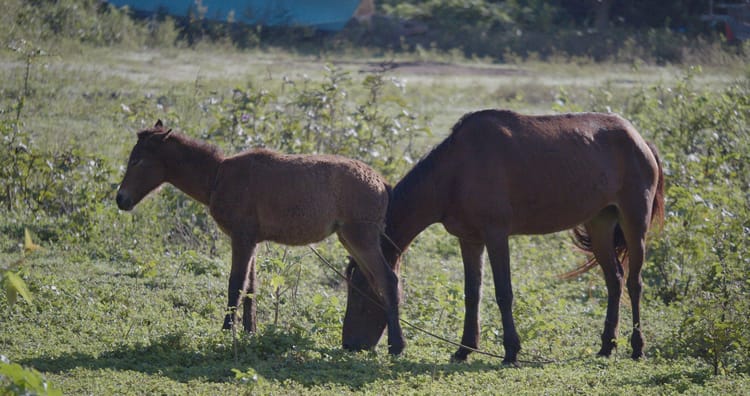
(96, 301)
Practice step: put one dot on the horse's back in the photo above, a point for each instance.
(548, 173)
(299, 199)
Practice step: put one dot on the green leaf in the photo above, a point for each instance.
(10, 294)
(14, 284)
(278, 281)
(28, 244)
(26, 379)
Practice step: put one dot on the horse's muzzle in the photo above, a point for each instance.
(123, 201)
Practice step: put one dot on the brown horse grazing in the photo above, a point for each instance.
(500, 173)
(261, 195)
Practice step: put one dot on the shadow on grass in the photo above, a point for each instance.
(273, 354)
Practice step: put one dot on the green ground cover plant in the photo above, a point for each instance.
(131, 303)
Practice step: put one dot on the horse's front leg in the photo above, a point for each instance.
(242, 283)
(471, 252)
(497, 249)
(362, 240)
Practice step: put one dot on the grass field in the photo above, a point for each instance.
(132, 303)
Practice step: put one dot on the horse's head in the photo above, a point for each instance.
(364, 320)
(146, 170)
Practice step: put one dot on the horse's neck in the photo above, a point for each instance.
(412, 209)
(193, 170)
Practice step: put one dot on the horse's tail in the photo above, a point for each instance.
(657, 208)
(582, 240)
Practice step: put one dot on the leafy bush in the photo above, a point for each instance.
(322, 117)
(17, 380)
(486, 15)
(500, 30)
(534, 29)
(65, 185)
(84, 21)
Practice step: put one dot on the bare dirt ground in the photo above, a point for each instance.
(429, 68)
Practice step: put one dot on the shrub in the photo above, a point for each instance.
(85, 21)
(323, 118)
(17, 380)
(66, 185)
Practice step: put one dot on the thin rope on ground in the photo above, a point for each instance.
(541, 361)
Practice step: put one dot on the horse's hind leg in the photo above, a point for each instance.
(471, 253)
(601, 230)
(362, 240)
(249, 306)
(242, 283)
(634, 229)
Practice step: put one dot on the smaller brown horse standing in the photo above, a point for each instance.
(261, 195)
(499, 174)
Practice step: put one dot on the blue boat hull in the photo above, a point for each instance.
(329, 15)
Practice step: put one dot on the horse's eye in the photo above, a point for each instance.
(135, 161)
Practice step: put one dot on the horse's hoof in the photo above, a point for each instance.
(636, 342)
(511, 363)
(458, 358)
(396, 348)
(605, 352)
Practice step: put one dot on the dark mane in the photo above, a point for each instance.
(506, 117)
(424, 167)
(481, 113)
(427, 163)
(184, 140)
(198, 144)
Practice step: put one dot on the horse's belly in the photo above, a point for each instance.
(553, 214)
(542, 204)
(296, 230)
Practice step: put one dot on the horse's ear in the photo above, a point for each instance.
(158, 124)
(166, 135)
